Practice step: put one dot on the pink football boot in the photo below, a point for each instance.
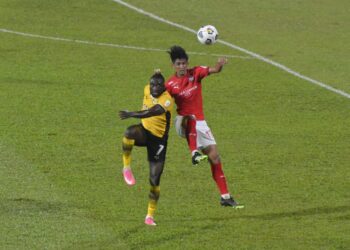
(150, 221)
(128, 176)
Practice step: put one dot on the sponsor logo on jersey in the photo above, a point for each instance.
(188, 92)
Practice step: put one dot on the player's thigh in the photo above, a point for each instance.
(205, 137)
(156, 148)
(138, 133)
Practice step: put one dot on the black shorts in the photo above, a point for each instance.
(156, 146)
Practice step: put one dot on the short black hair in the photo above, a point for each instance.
(158, 77)
(177, 52)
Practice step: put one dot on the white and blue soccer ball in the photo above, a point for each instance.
(207, 34)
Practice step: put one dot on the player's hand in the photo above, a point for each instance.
(124, 114)
(222, 61)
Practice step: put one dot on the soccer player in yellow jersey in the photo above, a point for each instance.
(151, 133)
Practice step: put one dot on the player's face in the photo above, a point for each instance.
(180, 66)
(157, 87)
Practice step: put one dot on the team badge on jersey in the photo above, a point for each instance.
(167, 103)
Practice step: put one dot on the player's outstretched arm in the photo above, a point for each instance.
(219, 65)
(154, 111)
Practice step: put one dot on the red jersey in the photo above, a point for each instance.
(187, 91)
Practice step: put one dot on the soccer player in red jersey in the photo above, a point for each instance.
(186, 88)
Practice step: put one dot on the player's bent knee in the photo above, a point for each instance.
(191, 117)
(184, 122)
(215, 159)
(186, 119)
(133, 131)
(128, 133)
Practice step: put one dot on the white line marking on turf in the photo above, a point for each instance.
(110, 44)
(257, 56)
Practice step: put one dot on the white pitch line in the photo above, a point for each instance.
(110, 44)
(255, 55)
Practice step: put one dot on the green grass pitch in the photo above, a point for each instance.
(284, 142)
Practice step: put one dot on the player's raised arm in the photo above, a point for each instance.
(219, 65)
(154, 111)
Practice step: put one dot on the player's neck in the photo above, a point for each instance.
(180, 75)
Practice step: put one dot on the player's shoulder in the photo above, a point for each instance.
(170, 81)
(146, 90)
(201, 71)
(200, 68)
(165, 95)
(171, 84)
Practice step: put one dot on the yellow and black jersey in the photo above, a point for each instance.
(158, 125)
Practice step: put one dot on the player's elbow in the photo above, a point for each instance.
(214, 70)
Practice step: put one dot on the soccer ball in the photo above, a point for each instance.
(207, 34)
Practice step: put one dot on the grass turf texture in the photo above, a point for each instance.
(284, 142)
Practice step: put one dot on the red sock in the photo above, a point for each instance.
(191, 134)
(219, 177)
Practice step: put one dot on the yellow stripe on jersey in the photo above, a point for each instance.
(157, 125)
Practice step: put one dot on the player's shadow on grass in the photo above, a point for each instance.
(162, 236)
(211, 225)
(300, 213)
(291, 214)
